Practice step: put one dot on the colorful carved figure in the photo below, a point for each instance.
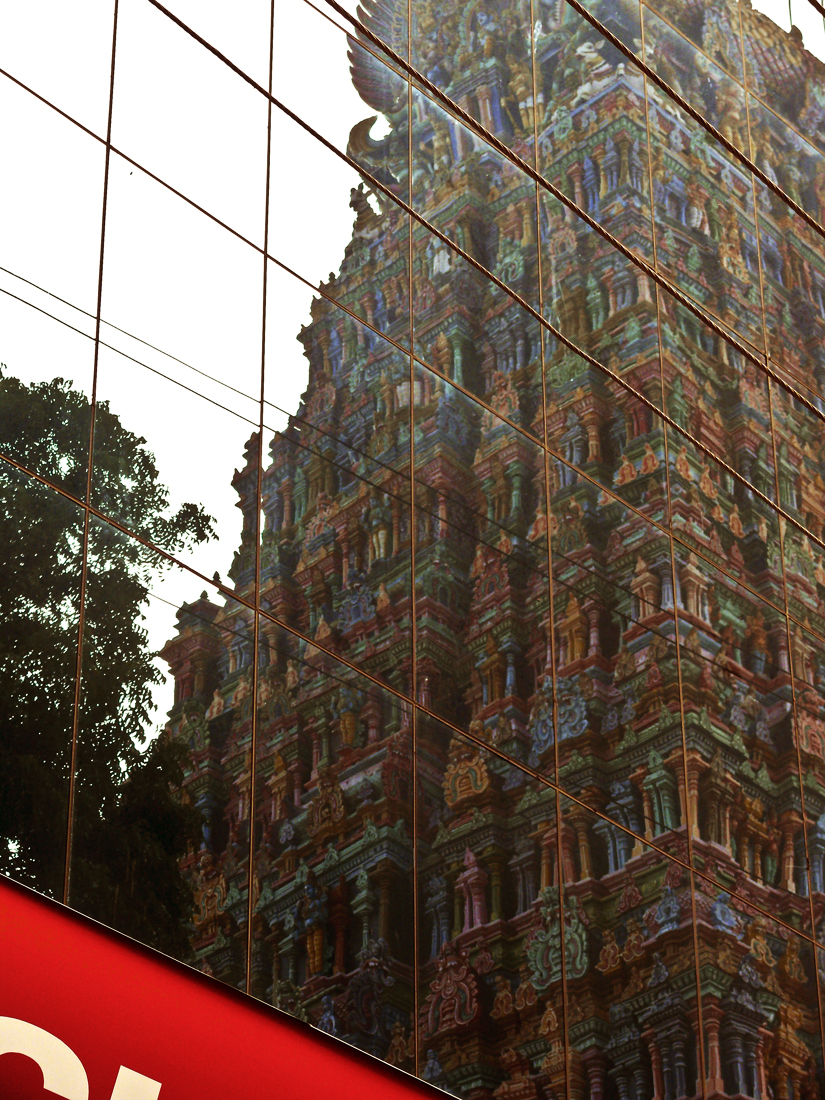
(310, 923)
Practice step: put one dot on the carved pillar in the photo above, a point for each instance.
(458, 897)
(485, 107)
(442, 516)
(286, 490)
(656, 1063)
(592, 612)
(396, 526)
(780, 637)
(385, 877)
(694, 766)
(765, 1038)
(643, 283)
(711, 1019)
(344, 559)
(647, 806)
(594, 446)
(574, 173)
(568, 860)
(339, 919)
(296, 771)
(593, 1061)
(736, 1058)
(548, 851)
(681, 787)
(680, 1065)
(789, 828)
(495, 864)
(607, 279)
(580, 825)
(457, 345)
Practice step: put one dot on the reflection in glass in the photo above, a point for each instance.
(793, 264)
(42, 537)
(759, 1000)
(481, 564)
(629, 961)
(35, 37)
(592, 138)
(702, 82)
(781, 71)
(332, 891)
(464, 550)
(133, 822)
(490, 1006)
(182, 129)
(484, 62)
(713, 27)
(706, 236)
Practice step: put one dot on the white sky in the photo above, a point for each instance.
(172, 276)
(801, 13)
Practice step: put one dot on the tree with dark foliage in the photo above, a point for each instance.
(130, 824)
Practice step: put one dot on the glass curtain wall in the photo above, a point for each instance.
(412, 440)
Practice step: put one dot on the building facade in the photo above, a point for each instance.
(508, 727)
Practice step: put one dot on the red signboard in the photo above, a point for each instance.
(92, 1016)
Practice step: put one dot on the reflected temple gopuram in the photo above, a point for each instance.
(522, 758)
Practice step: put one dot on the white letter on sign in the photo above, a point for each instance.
(63, 1072)
(134, 1086)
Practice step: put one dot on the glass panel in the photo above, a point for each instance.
(483, 61)
(793, 261)
(694, 76)
(620, 17)
(329, 87)
(179, 400)
(705, 224)
(42, 536)
(717, 396)
(755, 630)
(780, 70)
(788, 160)
(187, 291)
(481, 565)
(333, 925)
(604, 429)
(242, 35)
(50, 226)
(713, 27)
(720, 517)
(742, 767)
(617, 692)
(629, 961)
(52, 206)
(337, 529)
(593, 138)
(760, 1005)
(743, 775)
(798, 430)
(358, 246)
(63, 53)
(466, 327)
(490, 1015)
(45, 412)
(599, 299)
(138, 821)
(182, 129)
(804, 577)
(475, 334)
(186, 508)
(809, 686)
(386, 22)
